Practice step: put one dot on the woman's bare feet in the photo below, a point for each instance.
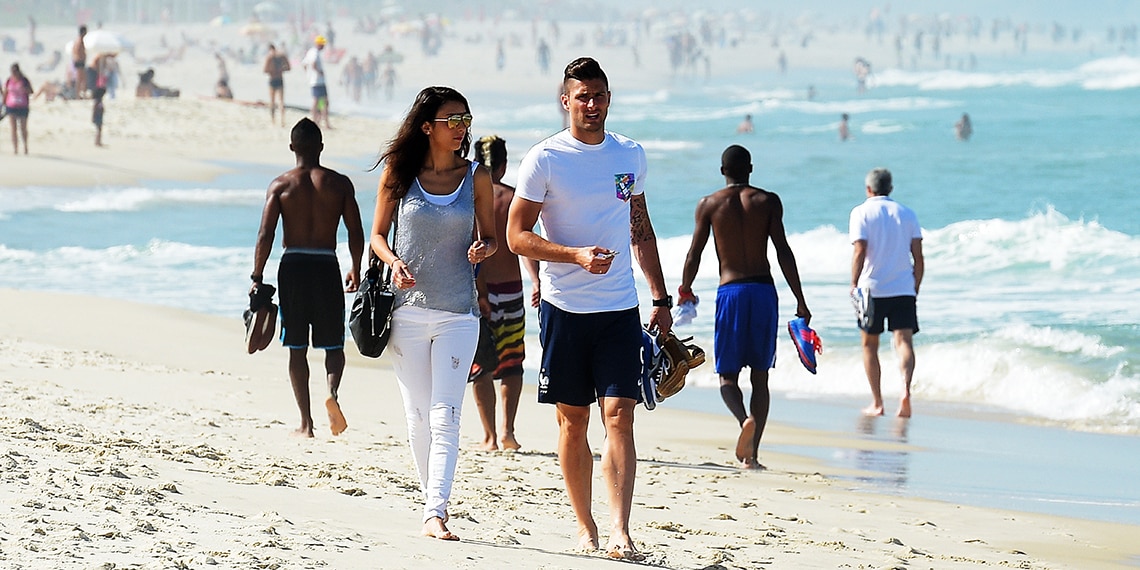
(435, 528)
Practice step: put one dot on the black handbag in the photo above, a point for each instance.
(370, 319)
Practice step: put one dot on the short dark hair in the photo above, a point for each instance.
(305, 136)
(82, 30)
(735, 157)
(584, 69)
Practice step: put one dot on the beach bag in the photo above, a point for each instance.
(370, 319)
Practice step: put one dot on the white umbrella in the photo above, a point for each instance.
(258, 30)
(267, 11)
(102, 41)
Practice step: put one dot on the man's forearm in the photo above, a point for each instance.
(531, 245)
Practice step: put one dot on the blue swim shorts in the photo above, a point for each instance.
(747, 320)
(586, 356)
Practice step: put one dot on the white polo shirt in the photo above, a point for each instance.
(888, 228)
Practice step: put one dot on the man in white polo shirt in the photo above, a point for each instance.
(887, 261)
(586, 186)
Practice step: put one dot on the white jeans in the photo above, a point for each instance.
(432, 352)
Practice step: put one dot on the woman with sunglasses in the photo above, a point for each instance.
(442, 206)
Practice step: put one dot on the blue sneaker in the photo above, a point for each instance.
(806, 341)
(650, 369)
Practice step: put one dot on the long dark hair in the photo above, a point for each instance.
(407, 150)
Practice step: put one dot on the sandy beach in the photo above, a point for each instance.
(138, 436)
(141, 436)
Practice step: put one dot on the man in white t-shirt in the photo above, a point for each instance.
(888, 262)
(586, 187)
(315, 67)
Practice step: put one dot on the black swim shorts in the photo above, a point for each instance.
(312, 297)
(899, 313)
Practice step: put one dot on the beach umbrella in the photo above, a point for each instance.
(102, 41)
(267, 11)
(258, 30)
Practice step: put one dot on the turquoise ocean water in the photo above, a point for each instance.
(1031, 299)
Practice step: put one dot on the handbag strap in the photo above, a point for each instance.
(374, 260)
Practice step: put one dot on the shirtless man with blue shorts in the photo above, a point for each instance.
(742, 218)
(310, 200)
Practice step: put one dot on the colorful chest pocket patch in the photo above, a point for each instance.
(623, 183)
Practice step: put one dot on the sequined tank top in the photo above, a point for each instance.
(433, 240)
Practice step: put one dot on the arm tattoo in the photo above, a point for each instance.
(641, 230)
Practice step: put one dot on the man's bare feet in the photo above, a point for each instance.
(303, 432)
(624, 550)
(509, 442)
(587, 540)
(337, 422)
(904, 407)
(435, 528)
(873, 410)
(489, 443)
(744, 441)
(752, 463)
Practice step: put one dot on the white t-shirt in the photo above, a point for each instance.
(585, 191)
(888, 228)
(314, 66)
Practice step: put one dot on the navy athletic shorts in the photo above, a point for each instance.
(586, 356)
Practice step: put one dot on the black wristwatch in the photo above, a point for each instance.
(667, 302)
(256, 278)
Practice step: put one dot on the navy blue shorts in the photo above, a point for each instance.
(586, 356)
(320, 92)
(898, 312)
(312, 297)
(747, 320)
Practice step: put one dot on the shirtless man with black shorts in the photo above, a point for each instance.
(742, 218)
(311, 200)
(79, 61)
(276, 64)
